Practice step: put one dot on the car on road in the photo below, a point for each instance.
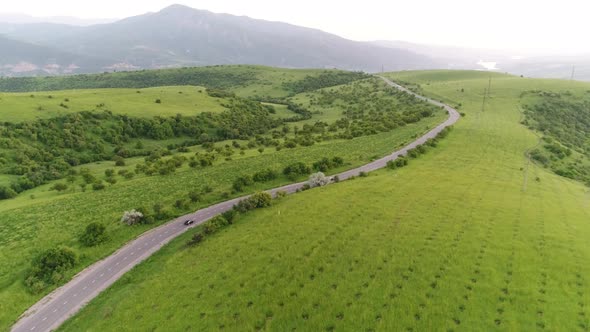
(189, 222)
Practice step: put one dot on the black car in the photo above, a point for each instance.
(188, 222)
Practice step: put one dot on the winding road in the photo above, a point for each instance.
(55, 308)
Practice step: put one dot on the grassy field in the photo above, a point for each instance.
(31, 225)
(185, 100)
(466, 238)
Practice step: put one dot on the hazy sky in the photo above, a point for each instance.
(521, 25)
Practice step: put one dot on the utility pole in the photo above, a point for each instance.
(485, 94)
(382, 69)
(573, 73)
(489, 85)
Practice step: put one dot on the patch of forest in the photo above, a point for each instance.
(44, 150)
(564, 120)
(213, 77)
(323, 80)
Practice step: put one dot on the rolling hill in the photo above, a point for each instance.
(465, 238)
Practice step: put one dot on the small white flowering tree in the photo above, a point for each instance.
(318, 180)
(132, 217)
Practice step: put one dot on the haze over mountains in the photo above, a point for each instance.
(182, 36)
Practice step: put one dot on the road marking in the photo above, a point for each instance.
(101, 275)
(93, 281)
(117, 263)
(75, 295)
(84, 287)
(66, 302)
(133, 252)
(44, 318)
(153, 240)
(110, 268)
(32, 328)
(54, 310)
(124, 258)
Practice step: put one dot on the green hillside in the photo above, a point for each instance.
(469, 237)
(109, 162)
(185, 100)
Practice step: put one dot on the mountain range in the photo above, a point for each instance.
(181, 36)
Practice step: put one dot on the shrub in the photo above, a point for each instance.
(256, 200)
(281, 194)
(241, 182)
(296, 170)
(363, 174)
(431, 142)
(132, 217)
(413, 153)
(194, 196)
(195, 239)
(260, 199)
(210, 227)
(318, 180)
(94, 234)
(119, 161)
(49, 268)
(391, 164)
(265, 175)
(401, 161)
(325, 164)
(158, 101)
(59, 187)
(98, 186)
(6, 192)
(230, 215)
(180, 204)
(421, 149)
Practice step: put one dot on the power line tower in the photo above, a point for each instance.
(485, 94)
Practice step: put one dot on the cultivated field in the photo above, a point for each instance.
(469, 237)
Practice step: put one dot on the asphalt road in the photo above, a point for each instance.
(51, 311)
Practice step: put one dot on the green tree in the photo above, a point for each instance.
(94, 234)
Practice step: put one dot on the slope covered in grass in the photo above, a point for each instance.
(465, 238)
(185, 100)
(40, 218)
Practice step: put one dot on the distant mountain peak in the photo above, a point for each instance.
(179, 35)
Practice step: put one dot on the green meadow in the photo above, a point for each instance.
(471, 236)
(41, 218)
(185, 100)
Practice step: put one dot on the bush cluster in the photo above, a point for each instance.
(94, 234)
(49, 268)
(255, 201)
